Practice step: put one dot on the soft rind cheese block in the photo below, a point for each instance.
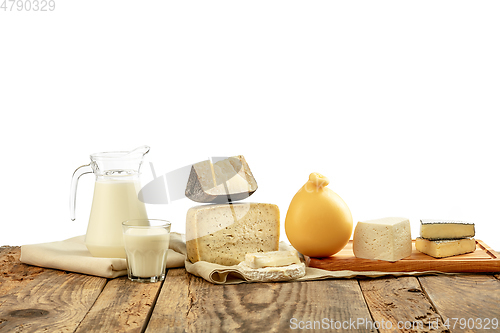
(224, 233)
(272, 259)
(445, 229)
(224, 181)
(271, 274)
(445, 248)
(386, 239)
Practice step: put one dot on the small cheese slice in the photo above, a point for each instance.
(271, 274)
(445, 248)
(272, 259)
(224, 233)
(386, 239)
(224, 181)
(445, 229)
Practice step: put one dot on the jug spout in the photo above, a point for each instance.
(118, 163)
(142, 150)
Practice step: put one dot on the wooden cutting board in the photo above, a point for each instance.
(484, 259)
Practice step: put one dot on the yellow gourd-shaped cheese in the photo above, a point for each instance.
(318, 222)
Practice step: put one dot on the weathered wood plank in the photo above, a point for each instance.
(198, 306)
(5, 248)
(13, 274)
(123, 306)
(400, 305)
(34, 299)
(464, 296)
(169, 314)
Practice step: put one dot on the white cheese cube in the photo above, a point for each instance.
(386, 239)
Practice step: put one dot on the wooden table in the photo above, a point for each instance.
(34, 299)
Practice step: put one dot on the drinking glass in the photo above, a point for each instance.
(146, 246)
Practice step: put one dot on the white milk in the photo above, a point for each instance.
(146, 251)
(115, 201)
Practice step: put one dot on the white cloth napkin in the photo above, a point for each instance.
(72, 255)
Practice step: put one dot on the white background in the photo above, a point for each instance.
(396, 102)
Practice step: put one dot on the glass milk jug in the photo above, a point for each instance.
(115, 199)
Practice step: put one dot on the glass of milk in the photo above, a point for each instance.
(146, 246)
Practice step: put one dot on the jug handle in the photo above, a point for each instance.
(74, 182)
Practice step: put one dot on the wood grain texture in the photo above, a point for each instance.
(464, 296)
(258, 307)
(5, 248)
(401, 304)
(123, 306)
(484, 259)
(34, 299)
(13, 274)
(173, 304)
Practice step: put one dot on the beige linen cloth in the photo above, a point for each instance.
(72, 255)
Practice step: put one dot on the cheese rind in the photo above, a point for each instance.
(224, 181)
(224, 233)
(445, 248)
(272, 259)
(445, 229)
(386, 239)
(271, 274)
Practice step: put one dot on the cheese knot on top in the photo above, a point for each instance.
(316, 181)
